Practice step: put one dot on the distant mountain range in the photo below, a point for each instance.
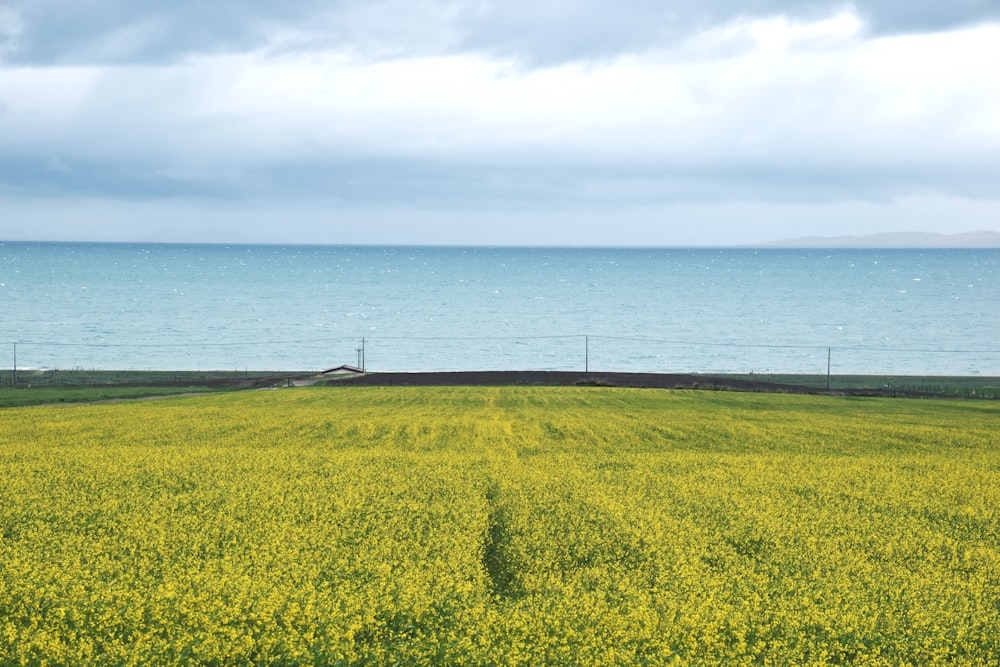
(978, 239)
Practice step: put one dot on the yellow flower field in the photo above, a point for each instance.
(516, 525)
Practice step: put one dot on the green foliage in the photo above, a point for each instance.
(21, 396)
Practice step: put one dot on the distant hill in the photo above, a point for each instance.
(978, 239)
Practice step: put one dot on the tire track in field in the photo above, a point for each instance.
(497, 559)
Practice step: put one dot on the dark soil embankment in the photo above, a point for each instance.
(579, 378)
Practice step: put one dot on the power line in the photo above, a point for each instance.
(920, 350)
(633, 339)
(792, 346)
(183, 345)
(450, 338)
(704, 344)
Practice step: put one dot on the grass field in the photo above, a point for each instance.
(79, 377)
(21, 396)
(511, 525)
(83, 386)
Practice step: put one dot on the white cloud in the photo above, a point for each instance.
(11, 28)
(771, 108)
(774, 33)
(528, 32)
(916, 97)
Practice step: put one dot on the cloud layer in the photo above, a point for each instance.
(48, 32)
(490, 106)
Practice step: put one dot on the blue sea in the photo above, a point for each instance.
(222, 307)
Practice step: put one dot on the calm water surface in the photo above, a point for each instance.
(134, 306)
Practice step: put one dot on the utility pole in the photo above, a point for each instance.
(586, 354)
(828, 367)
(361, 355)
(15, 364)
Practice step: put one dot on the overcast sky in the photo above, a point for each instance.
(565, 122)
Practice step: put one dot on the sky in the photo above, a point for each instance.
(561, 122)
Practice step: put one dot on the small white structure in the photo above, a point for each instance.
(343, 369)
